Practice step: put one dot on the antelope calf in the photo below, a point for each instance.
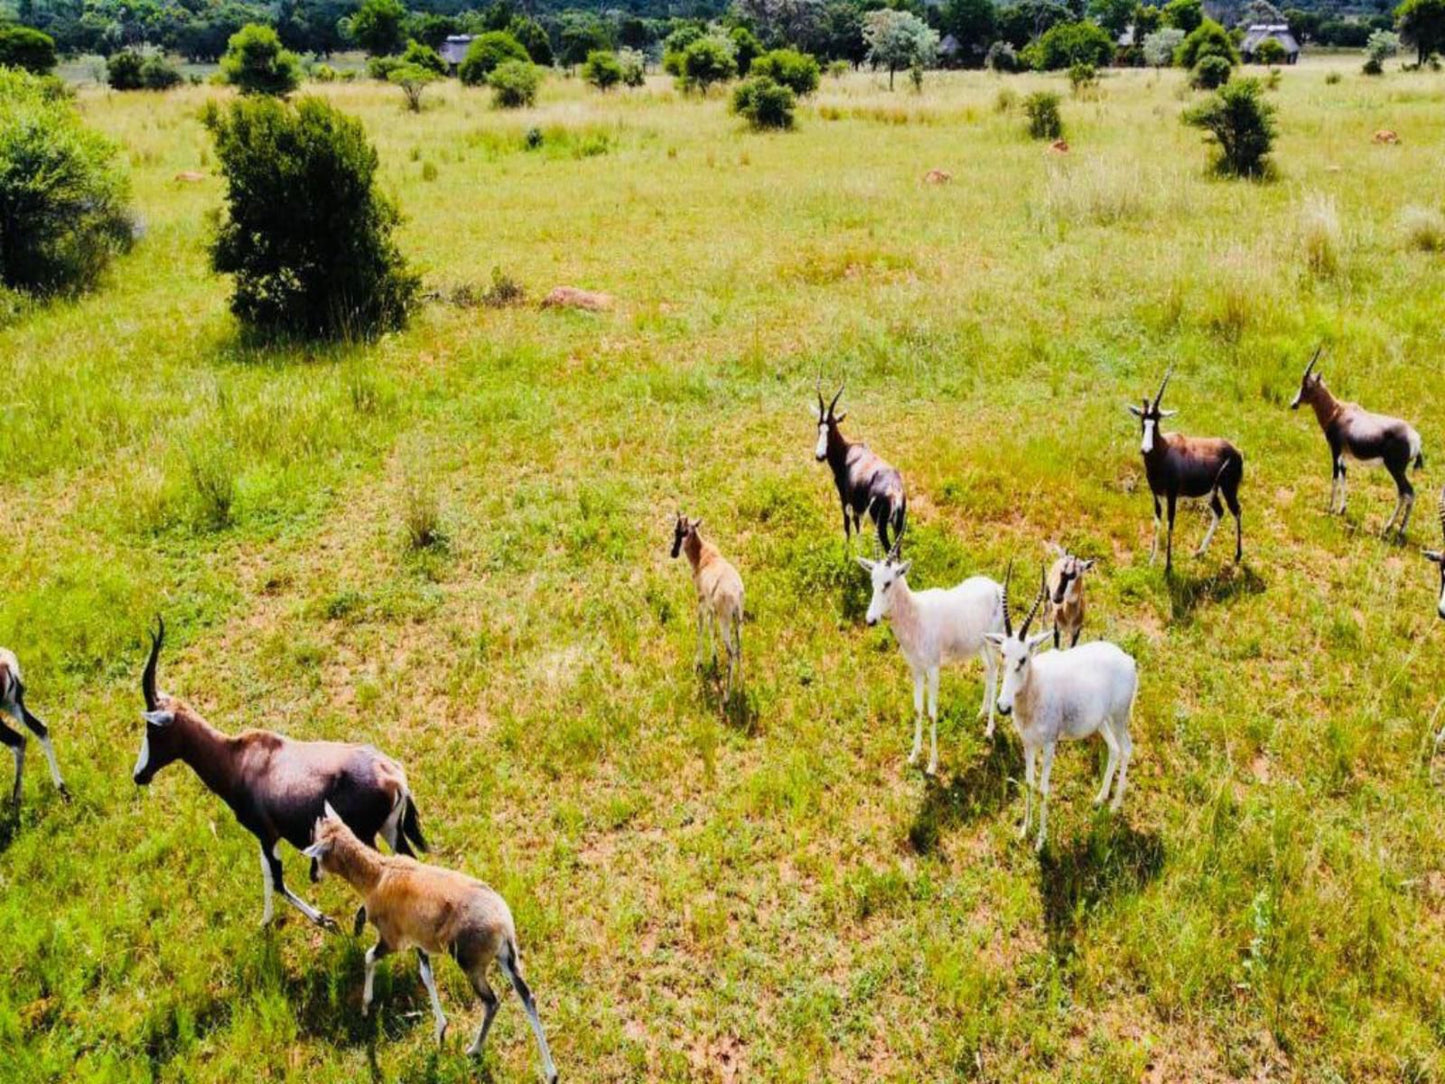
(865, 482)
(12, 701)
(1371, 440)
(1064, 606)
(431, 910)
(1438, 556)
(934, 627)
(276, 787)
(1179, 466)
(719, 595)
(1064, 696)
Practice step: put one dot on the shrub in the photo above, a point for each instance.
(1319, 234)
(305, 233)
(838, 68)
(413, 80)
(1372, 67)
(377, 26)
(323, 73)
(1210, 73)
(1001, 57)
(634, 68)
(27, 49)
(1042, 109)
(158, 73)
(746, 48)
(797, 71)
(706, 61)
(1083, 76)
(1270, 52)
(1423, 228)
(602, 69)
(1160, 46)
(764, 102)
(1382, 45)
(1240, 121)
(255, 63)
(62, 193)
(1332, 78)
(1066, 44)
(1208, 39)
(424, 56)
(122, 70)
(381, 67)
(485, 53)
(514, 84)
(1005, 100)
(533, 38)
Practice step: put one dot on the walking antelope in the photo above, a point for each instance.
(431, 910)
(12, 701)
(934, 627)
(277, 787)
(1371, 440)
(719, 595)
(1064, 696)
(1064, 606)
(1438, 556)
(865, 482)
(1179, 466)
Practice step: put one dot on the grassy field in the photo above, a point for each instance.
(768, 893)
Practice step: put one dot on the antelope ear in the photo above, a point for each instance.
(697, 523)
(331, 813)
(995, 638)
(1056, 549)
(867, 564)
(317, 850)
(1434, 555)
(1168, 413)
(1037, 639)
(1132, 409)
(159, 718)
(839, 419)
(904, 567)
(1086, 565)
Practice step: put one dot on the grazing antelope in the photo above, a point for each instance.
(1371, 440)
(431, 910)
(865, 482)
(1438, 556)
(719, 595)
(12, 700)
(1064, 696)
(1179, 466)
(1064, 606)
(934, 627)
(276, 787)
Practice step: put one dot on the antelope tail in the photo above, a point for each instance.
(411, 825)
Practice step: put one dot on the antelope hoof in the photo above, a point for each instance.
(932, 768)
(474, 1051)
(913, 756)
(64, 792)
(1039, 844)
(1024, 830)
(365, 1009)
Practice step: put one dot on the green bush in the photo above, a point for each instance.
(797, 71)
(27, 49)
(1083, 76)
(514, 84)
(746, 48)
(424, 56)
(602, 69)
(764, 102)
(413, 80)
(377, 26)
(634, 68)
(122, 70)
(1208, 39)
(532, 37)
(1066, 44)
(1211, 73)
(1042, 109)
(1270, 52)
(1240, 122)
(255, 63)
(306, 233)
(381, 67)
(485, 53)
(62, 193)
(707, 61)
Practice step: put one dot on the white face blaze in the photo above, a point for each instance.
(1147, 445)
(821, 451)
(884, 574)
(1442, 592)
(145, 755)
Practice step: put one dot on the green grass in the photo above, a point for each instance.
(453, 543)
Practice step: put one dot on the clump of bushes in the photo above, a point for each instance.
(1001, 57)
(1042, 109)
(1423, 228)
(707, 61)
(485, 53)
(424, 56)
(27, 49)
(63, 196)
(602, 69)
(514, 84)
(838, 68)
(1082, 77)
(1240, 122)
(797, 71)
(634, 67)
(135, 69)
(1320, 236)
(1211, 73)
(1161, 45)
(306, 233)
(1207, 39)
(764, 103)
(1382, 45)
(255, 62)
(1270, 52)
(413, 80)
(1066, 44)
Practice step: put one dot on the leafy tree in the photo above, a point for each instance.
(413, 80)
(1211, 72)
(1042, 109)
(602, 69)
(1115, 16)
(1147, 19)
(424, 56)
(1240, 122)
(841, 36)
(431, 29)
(1383, 44)
(635, 33)
(1023, 22)
(485, 53)
(707, 61)
(746, 48)
(27, 49)
(1422, 26)
(306, 233)
(514, 84)
(782, 22)
(533, 38)
(1207, 39)
(634, 67)
(580, 33)
(974, 25)
(63, 196)
(676, 44)
(1305, 25)
(122, 70)
(379, 27)
(1001, 58)
(1160, 46)
(1270, 52)
(764, 103)
(897, 39)
(1185, 15)
(1066, 44)
(790, 68)
(256, 64)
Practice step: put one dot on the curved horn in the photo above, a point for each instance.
(896, 550)
(1038, 599)
(1311, 366)
(834, 403)
(1008, 624)
(148, 679)
(819, 388)
(1159, 398)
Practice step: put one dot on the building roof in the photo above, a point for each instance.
(454, 49)
(1259, 32)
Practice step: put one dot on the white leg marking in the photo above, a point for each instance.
(549, 1069)
(990, 682)
(917, 718)
(54, 768)
(366, 989)
(1209, 534)
(1028, 790)
(1044, 797)
(267, 912)
(1106, 731)
(429, 981)
(933, 721)
(1154, 549)
(1126, 750)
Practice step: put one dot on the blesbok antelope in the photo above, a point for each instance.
(277, 787)
(933, 627)
(865, 482)
(1372, 440)
(12, 701)
(431, 910)
(1064, 696)
(1179, 466)
(1064, 607)
(719, 595)
(1438, 556)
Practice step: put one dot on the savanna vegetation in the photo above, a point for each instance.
(450, 539)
